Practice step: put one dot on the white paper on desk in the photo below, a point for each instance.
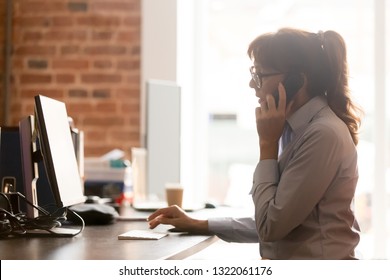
(141, 235)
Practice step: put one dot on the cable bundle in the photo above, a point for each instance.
(17, 224)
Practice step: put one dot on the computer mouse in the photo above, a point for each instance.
(209, 205)
(95, 214)
(92, 199)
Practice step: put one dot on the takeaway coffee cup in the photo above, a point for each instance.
(174, 194)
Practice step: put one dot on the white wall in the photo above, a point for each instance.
(158, 45)
(171, 45)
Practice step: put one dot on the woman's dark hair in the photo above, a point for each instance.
(321, 57)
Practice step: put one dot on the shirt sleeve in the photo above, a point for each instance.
(240, 230)
(283, 201)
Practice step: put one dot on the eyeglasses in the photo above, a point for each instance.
(258, 77)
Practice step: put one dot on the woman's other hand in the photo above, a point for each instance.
(175, 216)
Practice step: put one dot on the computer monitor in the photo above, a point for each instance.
(56, 146)
(28, 148)
(163, 135)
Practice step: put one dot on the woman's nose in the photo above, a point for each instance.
(252, 84)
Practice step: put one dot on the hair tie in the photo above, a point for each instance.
(321, 37)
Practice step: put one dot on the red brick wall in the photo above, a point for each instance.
(87, 54)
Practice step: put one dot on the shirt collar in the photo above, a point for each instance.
(305, 114)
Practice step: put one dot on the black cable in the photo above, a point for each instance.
(8, 201)
(19, 224)
(32, 204)
(10, 223)
(82, 223)
(53, 231)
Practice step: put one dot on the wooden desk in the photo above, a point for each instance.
(101, 243)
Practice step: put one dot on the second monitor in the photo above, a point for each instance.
(163, 135)
(58, 152)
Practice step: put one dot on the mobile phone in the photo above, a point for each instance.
(292, 83)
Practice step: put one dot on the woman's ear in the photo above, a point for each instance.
(300, 98)
(293, 82)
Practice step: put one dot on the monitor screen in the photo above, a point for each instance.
(58, 153)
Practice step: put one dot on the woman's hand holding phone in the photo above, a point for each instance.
(270, 120)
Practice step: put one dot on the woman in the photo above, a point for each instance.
(307, 124)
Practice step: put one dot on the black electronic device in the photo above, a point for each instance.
(292, 83)
(11, 177)
(29, 165)
(47, 155)
(95, 213)
(36, 189)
